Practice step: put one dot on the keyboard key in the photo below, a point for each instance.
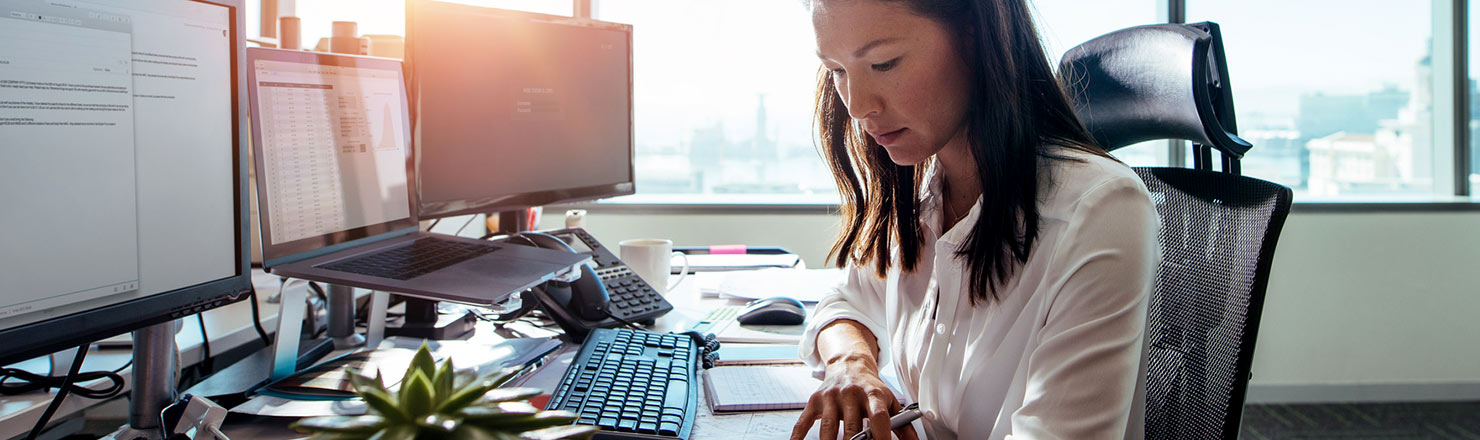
(640, 386)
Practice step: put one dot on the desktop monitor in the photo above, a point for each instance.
(124, 179)
(515, 109)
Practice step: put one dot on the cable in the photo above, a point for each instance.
(205, 342)
(465, 224)
(61, 394)
(35, 382)
(434, 224)
(257, 319)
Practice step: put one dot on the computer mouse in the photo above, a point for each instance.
(776, 310)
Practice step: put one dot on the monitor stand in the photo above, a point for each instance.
(422, 321)
(153, 382)
(513, 221)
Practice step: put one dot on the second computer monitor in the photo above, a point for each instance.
(514, 109)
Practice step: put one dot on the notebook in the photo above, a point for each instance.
(759, 388)
(757, 354)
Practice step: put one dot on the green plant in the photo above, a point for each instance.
(440, 403)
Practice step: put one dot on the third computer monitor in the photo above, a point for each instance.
(515, 109)
(122, 188)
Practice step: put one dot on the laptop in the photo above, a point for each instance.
(331, 146)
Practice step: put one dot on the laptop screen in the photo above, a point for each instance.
(332, 145)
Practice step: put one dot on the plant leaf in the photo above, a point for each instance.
(509, 394)
(502, 411)
(470, 432)
(560, 432)
(442, 382)
(517, 424)
(462, 398)
(440, 423)
(396, 432)
(382, 403)
(416, 396)
(421, 361)
(360, 381)
(341, 424)
(504, 375)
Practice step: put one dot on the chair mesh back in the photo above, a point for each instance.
(1218, 236)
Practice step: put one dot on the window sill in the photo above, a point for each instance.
(769, 204)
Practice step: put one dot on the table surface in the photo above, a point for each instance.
(690, 307)
(228, 327)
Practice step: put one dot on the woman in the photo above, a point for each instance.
(998, 260)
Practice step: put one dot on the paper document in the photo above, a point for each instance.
(805, 285)
(759, 388)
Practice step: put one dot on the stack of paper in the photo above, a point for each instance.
(805, 285)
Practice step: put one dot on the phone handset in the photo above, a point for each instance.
(577, 306)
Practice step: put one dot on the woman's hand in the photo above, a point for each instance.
(851, 392)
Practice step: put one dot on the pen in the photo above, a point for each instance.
(905, 416)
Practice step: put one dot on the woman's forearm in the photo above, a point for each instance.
(848, 341)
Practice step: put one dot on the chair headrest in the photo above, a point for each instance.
(1164, 81)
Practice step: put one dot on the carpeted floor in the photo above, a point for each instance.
(1419, 420)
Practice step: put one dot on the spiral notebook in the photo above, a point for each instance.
(759, 388)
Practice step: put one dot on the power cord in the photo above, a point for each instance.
(205, 343)
(66, 386)
(257, 319)
(33, 382)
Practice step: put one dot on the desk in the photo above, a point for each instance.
(689, 308)
(229, 327)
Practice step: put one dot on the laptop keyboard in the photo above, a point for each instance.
(420, 257)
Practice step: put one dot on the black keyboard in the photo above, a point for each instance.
(420, 257)
(633, 384)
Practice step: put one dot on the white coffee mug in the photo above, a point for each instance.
(652, 260)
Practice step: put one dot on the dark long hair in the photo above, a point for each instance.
(1017, 117)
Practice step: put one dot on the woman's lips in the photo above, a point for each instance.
(886, 139)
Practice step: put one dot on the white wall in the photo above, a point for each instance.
(1360, 306)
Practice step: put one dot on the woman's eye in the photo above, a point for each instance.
(885, 66)
(835, 72)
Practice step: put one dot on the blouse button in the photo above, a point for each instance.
(940, 329)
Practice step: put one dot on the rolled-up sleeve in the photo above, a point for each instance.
(1082, 378)
(860, 297)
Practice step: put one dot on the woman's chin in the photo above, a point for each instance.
(904, 156)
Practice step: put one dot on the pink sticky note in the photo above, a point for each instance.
(721, 249)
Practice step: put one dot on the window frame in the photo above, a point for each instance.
(1450, 18)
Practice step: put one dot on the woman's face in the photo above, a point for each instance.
(898, 73)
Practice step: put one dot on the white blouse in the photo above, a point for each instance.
(1060, 355)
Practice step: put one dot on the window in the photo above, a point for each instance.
(1474, 99)
(1337, 99)
(388, 17)
(725, 94)
(1064, 24)
(724, 97)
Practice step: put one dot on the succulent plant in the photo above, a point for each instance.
(441, 403)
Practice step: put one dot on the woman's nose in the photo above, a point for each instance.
(860, 99)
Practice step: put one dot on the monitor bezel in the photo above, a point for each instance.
(513, 201)
(301, 249)
(27, 341)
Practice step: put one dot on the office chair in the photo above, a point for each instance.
(1219, 228)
